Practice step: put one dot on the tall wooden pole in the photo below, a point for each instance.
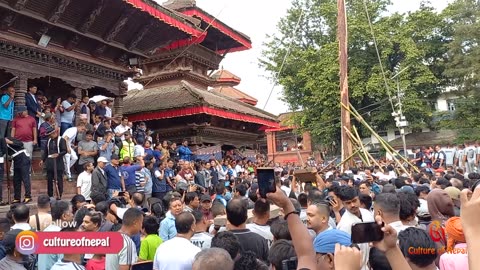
(343, 59)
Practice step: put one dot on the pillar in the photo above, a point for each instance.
(271, 144)
(118, 106)
(78, 92)
(307, 141)
(21, 86)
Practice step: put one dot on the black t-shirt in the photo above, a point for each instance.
(251, 241)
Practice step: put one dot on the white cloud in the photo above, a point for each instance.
(257, 18)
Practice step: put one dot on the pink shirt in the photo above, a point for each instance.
(456, 259)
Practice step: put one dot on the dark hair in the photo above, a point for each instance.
(43, 201)
(408, 205)
(249, 261)
(58, 209)
(366, 200)
(420, 189)
(198, 215)
(102, 207)
(131, 216)
(296, 204)
(190, 197)
(97, 197)
(237, 212)
(157, 210)
(253, 196)
(389, 203)
(279, 229)
(79, 215)
(418, 238)
(228, 241)
(184, 222)
(21, 213)
(443, 182)
(72, 96)
(303, 199)
(241, 189)
(280, 250)
(315, 196)
(4, 225)
(77, 199)
(95, 217)
(346, 193)
(378, 260)
(151, 224)
(261, 208)
(88, 132)
(220, 188)
(399, 183)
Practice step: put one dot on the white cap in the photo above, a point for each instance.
(102, 159)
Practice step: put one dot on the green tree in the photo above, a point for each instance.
(310, 75)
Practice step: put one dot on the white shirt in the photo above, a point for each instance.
(67, 116)
(108, 112)
(263, 231)
(422, 210)
(22, 226)
(303, 216)
(71, 133)
(345, 224)
(84, 182)
(398, 226)
(177, 253)
(126, 256)
(139, 151)
(121, 129)
(202, 240)
(286, 189)
(60, 265)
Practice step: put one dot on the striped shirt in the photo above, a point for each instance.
(139, 180)
(126, 256)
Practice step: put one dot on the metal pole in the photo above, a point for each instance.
(343, 59)
(401, 128)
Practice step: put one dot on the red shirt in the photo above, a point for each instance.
(95, 264)
(24, 128)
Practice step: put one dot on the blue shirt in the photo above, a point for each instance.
(6, 113)
(148, 178)
(185, 153)
(167, 228)
(128, 173)
(108, 151)
(170, 173)
(113, 177)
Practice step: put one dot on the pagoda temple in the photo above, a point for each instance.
(181, 100)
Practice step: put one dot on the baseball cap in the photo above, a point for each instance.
(325, 241)
(102, 159)
(205, 198)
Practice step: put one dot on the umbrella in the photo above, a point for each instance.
(99, 98)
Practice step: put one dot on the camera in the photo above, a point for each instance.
(290, 264)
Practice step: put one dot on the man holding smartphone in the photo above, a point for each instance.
(353, 214)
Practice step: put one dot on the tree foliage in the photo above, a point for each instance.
(413, 42)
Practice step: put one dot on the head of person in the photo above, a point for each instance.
(365, 201)
(201, 221)
(11, 90)
(213, 259)
(229, 242)
(115, 160)
(411, 241)
(206, 202)
(71, 98)
(317, 217)
(43, 203)
(21, 111)
(440, 205)
(138, 198)
(237, 212)
(324, 246)
(185, 224)
(175, 206)
(150, 225)
(454, 231)
(192, 200)
(387, 205)
(279, 230)
(261, 209)
(315, 196)
(220, 189)
(78, 201)
(92, 221)
(132, 221)
(349, 197)
(62, 210)
(364, 188)
(240, 190)
(9, 243)
(280, 251)
(102, 162)
(21, 213)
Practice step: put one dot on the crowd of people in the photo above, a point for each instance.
(175, 212)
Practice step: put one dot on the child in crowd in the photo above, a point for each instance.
(150, 243)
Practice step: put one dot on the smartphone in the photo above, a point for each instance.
(366, 232)
(121, 193)
(266, 181)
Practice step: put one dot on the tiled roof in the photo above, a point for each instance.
(185, 95)
(224, 75)
(236, 94)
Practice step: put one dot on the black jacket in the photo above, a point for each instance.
(99, 181)
(52, 148)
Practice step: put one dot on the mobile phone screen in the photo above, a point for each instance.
(366, 232)
(266, 181)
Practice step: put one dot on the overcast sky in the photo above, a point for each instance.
(257, 18)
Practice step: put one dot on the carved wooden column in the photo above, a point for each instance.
(118, 102)
(78, 92)
(21, 86)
